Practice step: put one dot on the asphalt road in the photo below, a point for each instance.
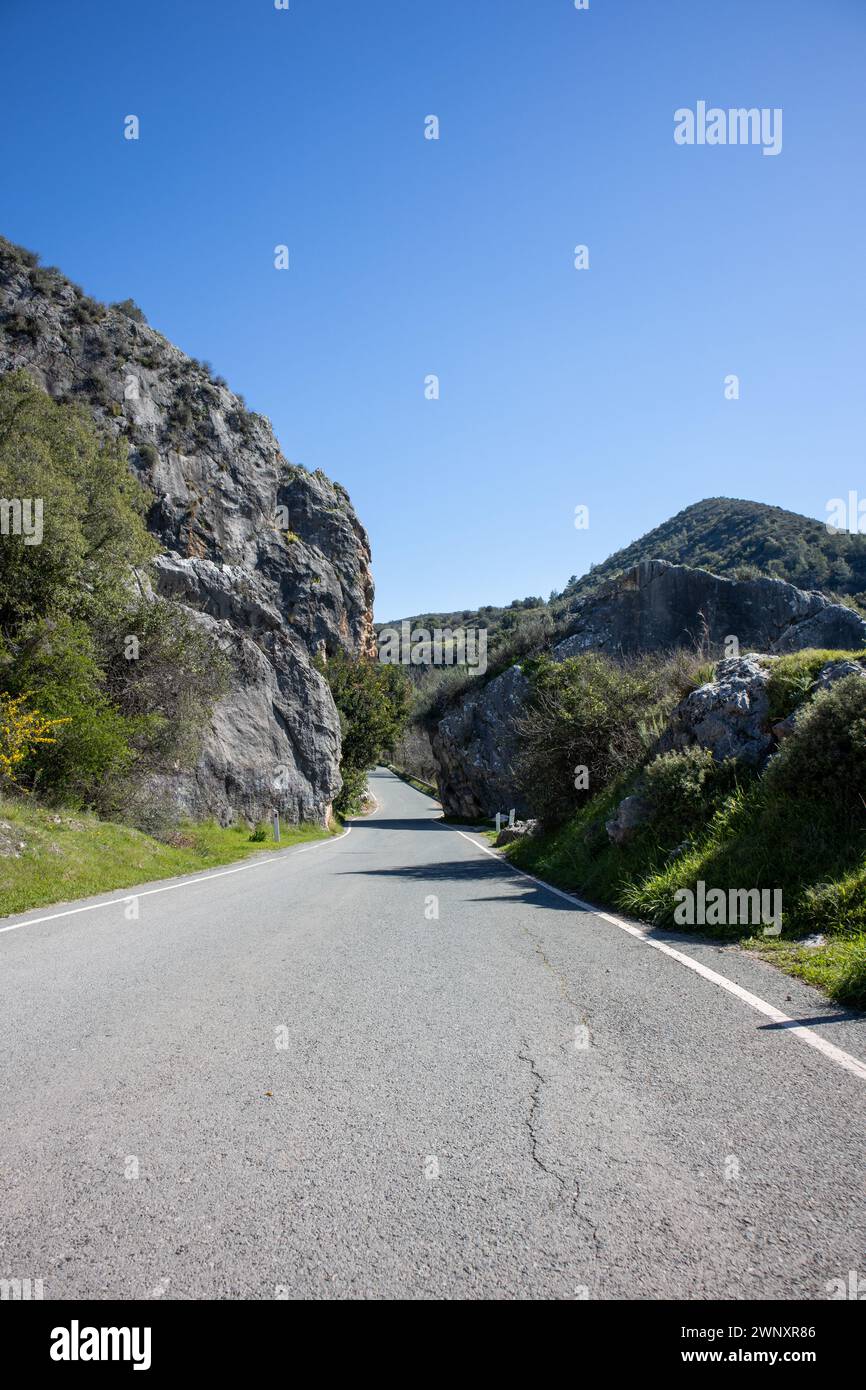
(295, 1080)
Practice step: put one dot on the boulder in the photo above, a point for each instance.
(631, 813)
(729, 714)
(837, 671)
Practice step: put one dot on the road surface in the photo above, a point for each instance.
(295, 1079)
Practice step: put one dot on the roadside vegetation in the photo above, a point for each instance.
(102, 687)
(373, 701)
(49, 855)
(731, 537)
(799, 825)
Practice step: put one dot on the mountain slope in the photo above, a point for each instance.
(728, 536)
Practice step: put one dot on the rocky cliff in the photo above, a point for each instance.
(270, 558)
(656, 606)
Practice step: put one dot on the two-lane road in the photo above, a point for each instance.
(389, 1066)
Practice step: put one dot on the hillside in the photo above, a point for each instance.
(730, 536)
(726, 535)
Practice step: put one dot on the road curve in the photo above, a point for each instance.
(300, 1081)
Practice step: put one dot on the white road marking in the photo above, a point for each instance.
(799, 1030)
(170, 887)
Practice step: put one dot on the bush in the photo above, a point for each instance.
(56, 660)
(130, 310)
(373, 702)
(123, 712)
(684, 789)
(592, 712)
(93, 526)
(167, 688)
(22, 732)
(792, 676)
(824, 759)
(87, 311)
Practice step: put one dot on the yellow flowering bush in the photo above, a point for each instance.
(21, 729)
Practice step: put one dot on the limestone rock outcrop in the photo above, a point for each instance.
(271, 558)
(729, 715)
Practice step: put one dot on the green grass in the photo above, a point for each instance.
(754, 840)
(792, 675)
(838, 966)
(72, 854)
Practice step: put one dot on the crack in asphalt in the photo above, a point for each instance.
(531, 1124)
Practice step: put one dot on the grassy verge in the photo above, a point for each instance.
(753, 839)
(69, 855)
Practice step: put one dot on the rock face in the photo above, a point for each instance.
(475, 747)
(658, 605)
(729, 715)
(655, 607)
(271, 559)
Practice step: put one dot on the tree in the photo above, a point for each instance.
(373, 701)
(128, 682)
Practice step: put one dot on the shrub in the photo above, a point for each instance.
(87, 311)
(93, 526)
(45, 279)
(67, 608)
(685, 787)
(22, 732)
(824, 758)
(587, 711)
(373, 702)
(792, 676)
(168, 689)
(55, 659)
(130, 310)
(23, 326)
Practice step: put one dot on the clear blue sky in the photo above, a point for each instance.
(411, 257)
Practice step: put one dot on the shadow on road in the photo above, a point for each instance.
(476, 871)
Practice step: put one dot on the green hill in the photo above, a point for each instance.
(743, 539)
(724, 534)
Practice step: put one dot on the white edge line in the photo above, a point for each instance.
(799, 1030)
(170, 887)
